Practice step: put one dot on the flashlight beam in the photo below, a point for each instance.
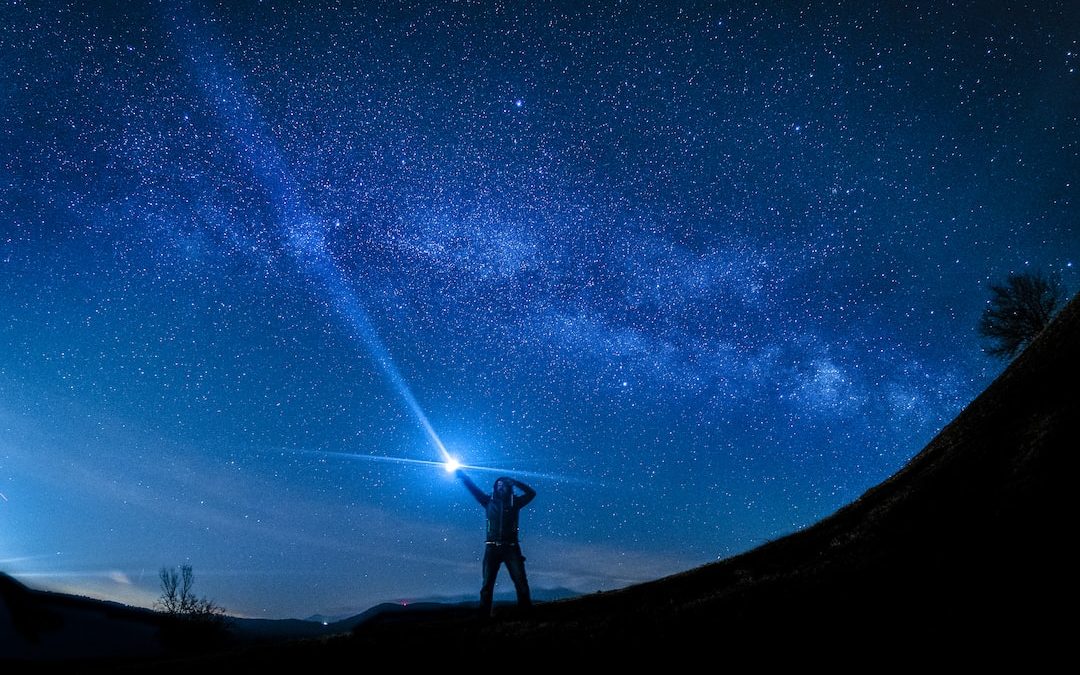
(322, 267)
(223, 86)
(427, 462)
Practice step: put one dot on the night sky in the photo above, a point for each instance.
(700, 273)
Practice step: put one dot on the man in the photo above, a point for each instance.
(502, 546)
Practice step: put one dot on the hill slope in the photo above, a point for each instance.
(966, 540)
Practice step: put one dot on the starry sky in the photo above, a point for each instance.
(700, 273)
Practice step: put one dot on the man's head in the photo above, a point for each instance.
(503, 489)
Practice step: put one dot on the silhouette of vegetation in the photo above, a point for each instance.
(194, 624)
(1018, 310)
(178, 598)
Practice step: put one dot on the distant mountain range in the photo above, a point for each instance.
(503, 597)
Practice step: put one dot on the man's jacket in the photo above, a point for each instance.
(502, 516)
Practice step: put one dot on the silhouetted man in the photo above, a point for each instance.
(502, 546)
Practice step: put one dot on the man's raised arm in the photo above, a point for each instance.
(479, 494)
(527, 493)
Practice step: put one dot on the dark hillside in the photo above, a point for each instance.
(966, 541)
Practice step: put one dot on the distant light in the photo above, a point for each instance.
(451, 465)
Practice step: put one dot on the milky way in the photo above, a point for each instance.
(702, 273)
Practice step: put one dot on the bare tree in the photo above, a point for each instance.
(1018, 310)
(178, 598)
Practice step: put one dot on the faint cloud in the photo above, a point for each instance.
(100, 586)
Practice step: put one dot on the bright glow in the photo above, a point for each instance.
(450, 461)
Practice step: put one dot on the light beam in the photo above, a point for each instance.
(452, 461)
(223, 86)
